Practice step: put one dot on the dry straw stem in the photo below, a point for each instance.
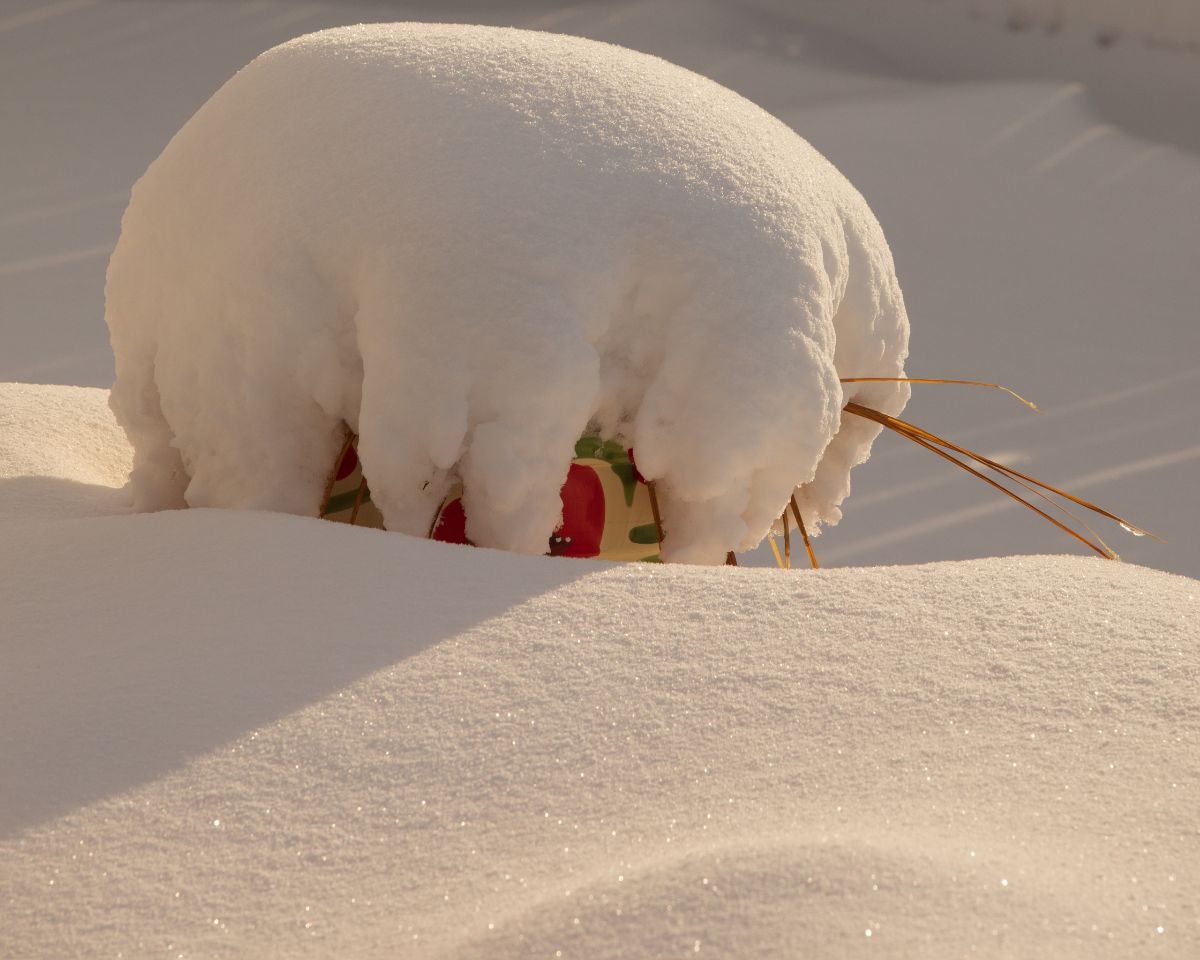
(968, 383)
(882, 418)
(812, 557)
(775, 550)
(934, 443)
(895, 422)
(787, 542)
(658, 527)
(1006, 471)
(785, 561)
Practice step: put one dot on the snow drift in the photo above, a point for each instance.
(471, 245)
(61, 453)
(237, 734)
(1166, 24)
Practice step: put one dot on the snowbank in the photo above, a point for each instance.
(238, 734)
(471, 244)
(1169, 24)
(975, 182)
(61, 453)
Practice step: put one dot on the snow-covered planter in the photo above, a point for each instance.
(471, 246)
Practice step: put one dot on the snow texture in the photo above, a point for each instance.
(236, 734)
(472, 244)
(61, 453)
(1172, 25)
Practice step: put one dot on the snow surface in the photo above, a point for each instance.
(278, 674)
(470, 244)
(1165, 24)
(1039, 192)
(240, 734)
(61, 453)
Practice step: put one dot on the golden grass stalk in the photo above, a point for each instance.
(658, 527)
(787, 542)
(1013, 474)
(1062, 508)
(812, 557)
(940, 446)
(869, 414)
(775, 550)
(969, 383)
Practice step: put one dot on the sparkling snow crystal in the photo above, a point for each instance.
(471, 245)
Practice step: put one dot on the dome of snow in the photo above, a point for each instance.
(472, 245)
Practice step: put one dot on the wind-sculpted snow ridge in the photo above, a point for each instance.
(472, 245)
(61, 453)
(1163, 24)
(235, 734)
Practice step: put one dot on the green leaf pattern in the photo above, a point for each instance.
(616, 456)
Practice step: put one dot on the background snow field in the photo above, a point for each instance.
(215, 746)
(471, 244)
(229, 733)
(1039, 192)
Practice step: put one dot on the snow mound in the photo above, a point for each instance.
(240, 734)
(61, 453)
(245, 734)
(1164, 24)
(474, 244)
(779, 895)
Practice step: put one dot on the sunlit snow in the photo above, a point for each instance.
(470, 245)
(237, 733)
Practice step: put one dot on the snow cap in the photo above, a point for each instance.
(472, 245)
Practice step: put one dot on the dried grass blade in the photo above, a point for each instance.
(1009, 474)
(775, 550)
(658, 527)
(896, 422)
(967, 383)
(905, 430)
(1112, 554)
(812, 557)
(787, 542)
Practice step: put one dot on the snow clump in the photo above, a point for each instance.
(472, 245)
